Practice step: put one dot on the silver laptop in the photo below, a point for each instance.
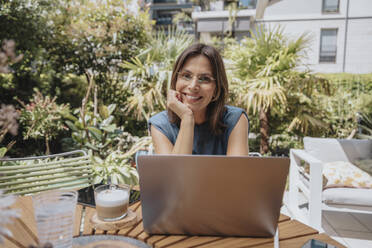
(211, 195)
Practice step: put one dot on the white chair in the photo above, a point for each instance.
(317, 152)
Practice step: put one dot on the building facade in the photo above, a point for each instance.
(164, 11)
(340, 30)
(218, 20)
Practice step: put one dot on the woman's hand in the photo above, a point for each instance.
(185, 136)
(174, 103)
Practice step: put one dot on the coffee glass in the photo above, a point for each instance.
(54, 214)
(111, 201)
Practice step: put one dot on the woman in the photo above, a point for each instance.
(197, 120)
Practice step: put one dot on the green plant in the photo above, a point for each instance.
(106, 143)
(93, 38)
(8, 56)
(8, 124)
(43, 118)
(280, 144)
(8, 114)
(97, 132)
(264, 80)
(181, 17)
(114, 168)
(149, 73)
(366, 127)
(351, 94)
(364, 103)
(117, 167)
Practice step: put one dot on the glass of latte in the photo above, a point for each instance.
(112, 201)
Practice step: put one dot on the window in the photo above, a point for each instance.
(247, 4)
(330, 6)
(165, 1)
(164, 19)
(328, 45)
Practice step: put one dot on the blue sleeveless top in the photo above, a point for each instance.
(204, 141)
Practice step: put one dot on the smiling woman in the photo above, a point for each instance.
(197, 120)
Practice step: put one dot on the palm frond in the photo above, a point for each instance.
(149, 73)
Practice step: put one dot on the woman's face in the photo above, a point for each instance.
(196, 84)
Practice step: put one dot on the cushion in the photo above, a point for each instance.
(348, 196)
(357, 149)
(364, 165)
(324, 149)
(345, 174)
(330, 149)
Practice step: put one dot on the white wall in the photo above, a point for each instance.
(359, 46)
(294, 29)
(297, 7)
(299, 16)
(359, 8)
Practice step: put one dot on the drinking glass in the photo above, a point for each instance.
(55, 215)
(112, 201)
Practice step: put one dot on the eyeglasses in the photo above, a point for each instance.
(202, 78)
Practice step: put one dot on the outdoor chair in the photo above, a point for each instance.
(21, 176)
(318, 155)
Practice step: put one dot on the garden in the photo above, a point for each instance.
(88, 75)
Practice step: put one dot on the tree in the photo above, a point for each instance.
(265, 81)
(25, 23)
(43, 118)
(92, 38)
(89, 38)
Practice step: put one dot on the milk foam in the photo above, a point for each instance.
(112, 198)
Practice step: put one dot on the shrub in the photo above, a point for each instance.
(43, 118)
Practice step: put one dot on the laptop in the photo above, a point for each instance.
(211, 194)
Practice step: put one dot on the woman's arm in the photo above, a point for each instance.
(185, 138)
(238, 140)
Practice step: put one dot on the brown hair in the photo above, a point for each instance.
(216, 107)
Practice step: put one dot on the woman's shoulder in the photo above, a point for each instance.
(232, 111)
(159, 118)
(232, 116)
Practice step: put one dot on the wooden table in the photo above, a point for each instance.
(291, 232)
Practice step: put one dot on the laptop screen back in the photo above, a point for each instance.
(211, 195)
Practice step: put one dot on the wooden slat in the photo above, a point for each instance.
(125, 231)
(138, 229)
(88, 228)
(283, 217)
(194, 241)
(24, 204)
(77, 222)
(112, 232)
(287, 230)
(143, 236)
(298, 242)
(155, 238)
(21, 233)
(9, 242)
(170, 240)
(99, 232)
(293, 228)
(237, 242)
